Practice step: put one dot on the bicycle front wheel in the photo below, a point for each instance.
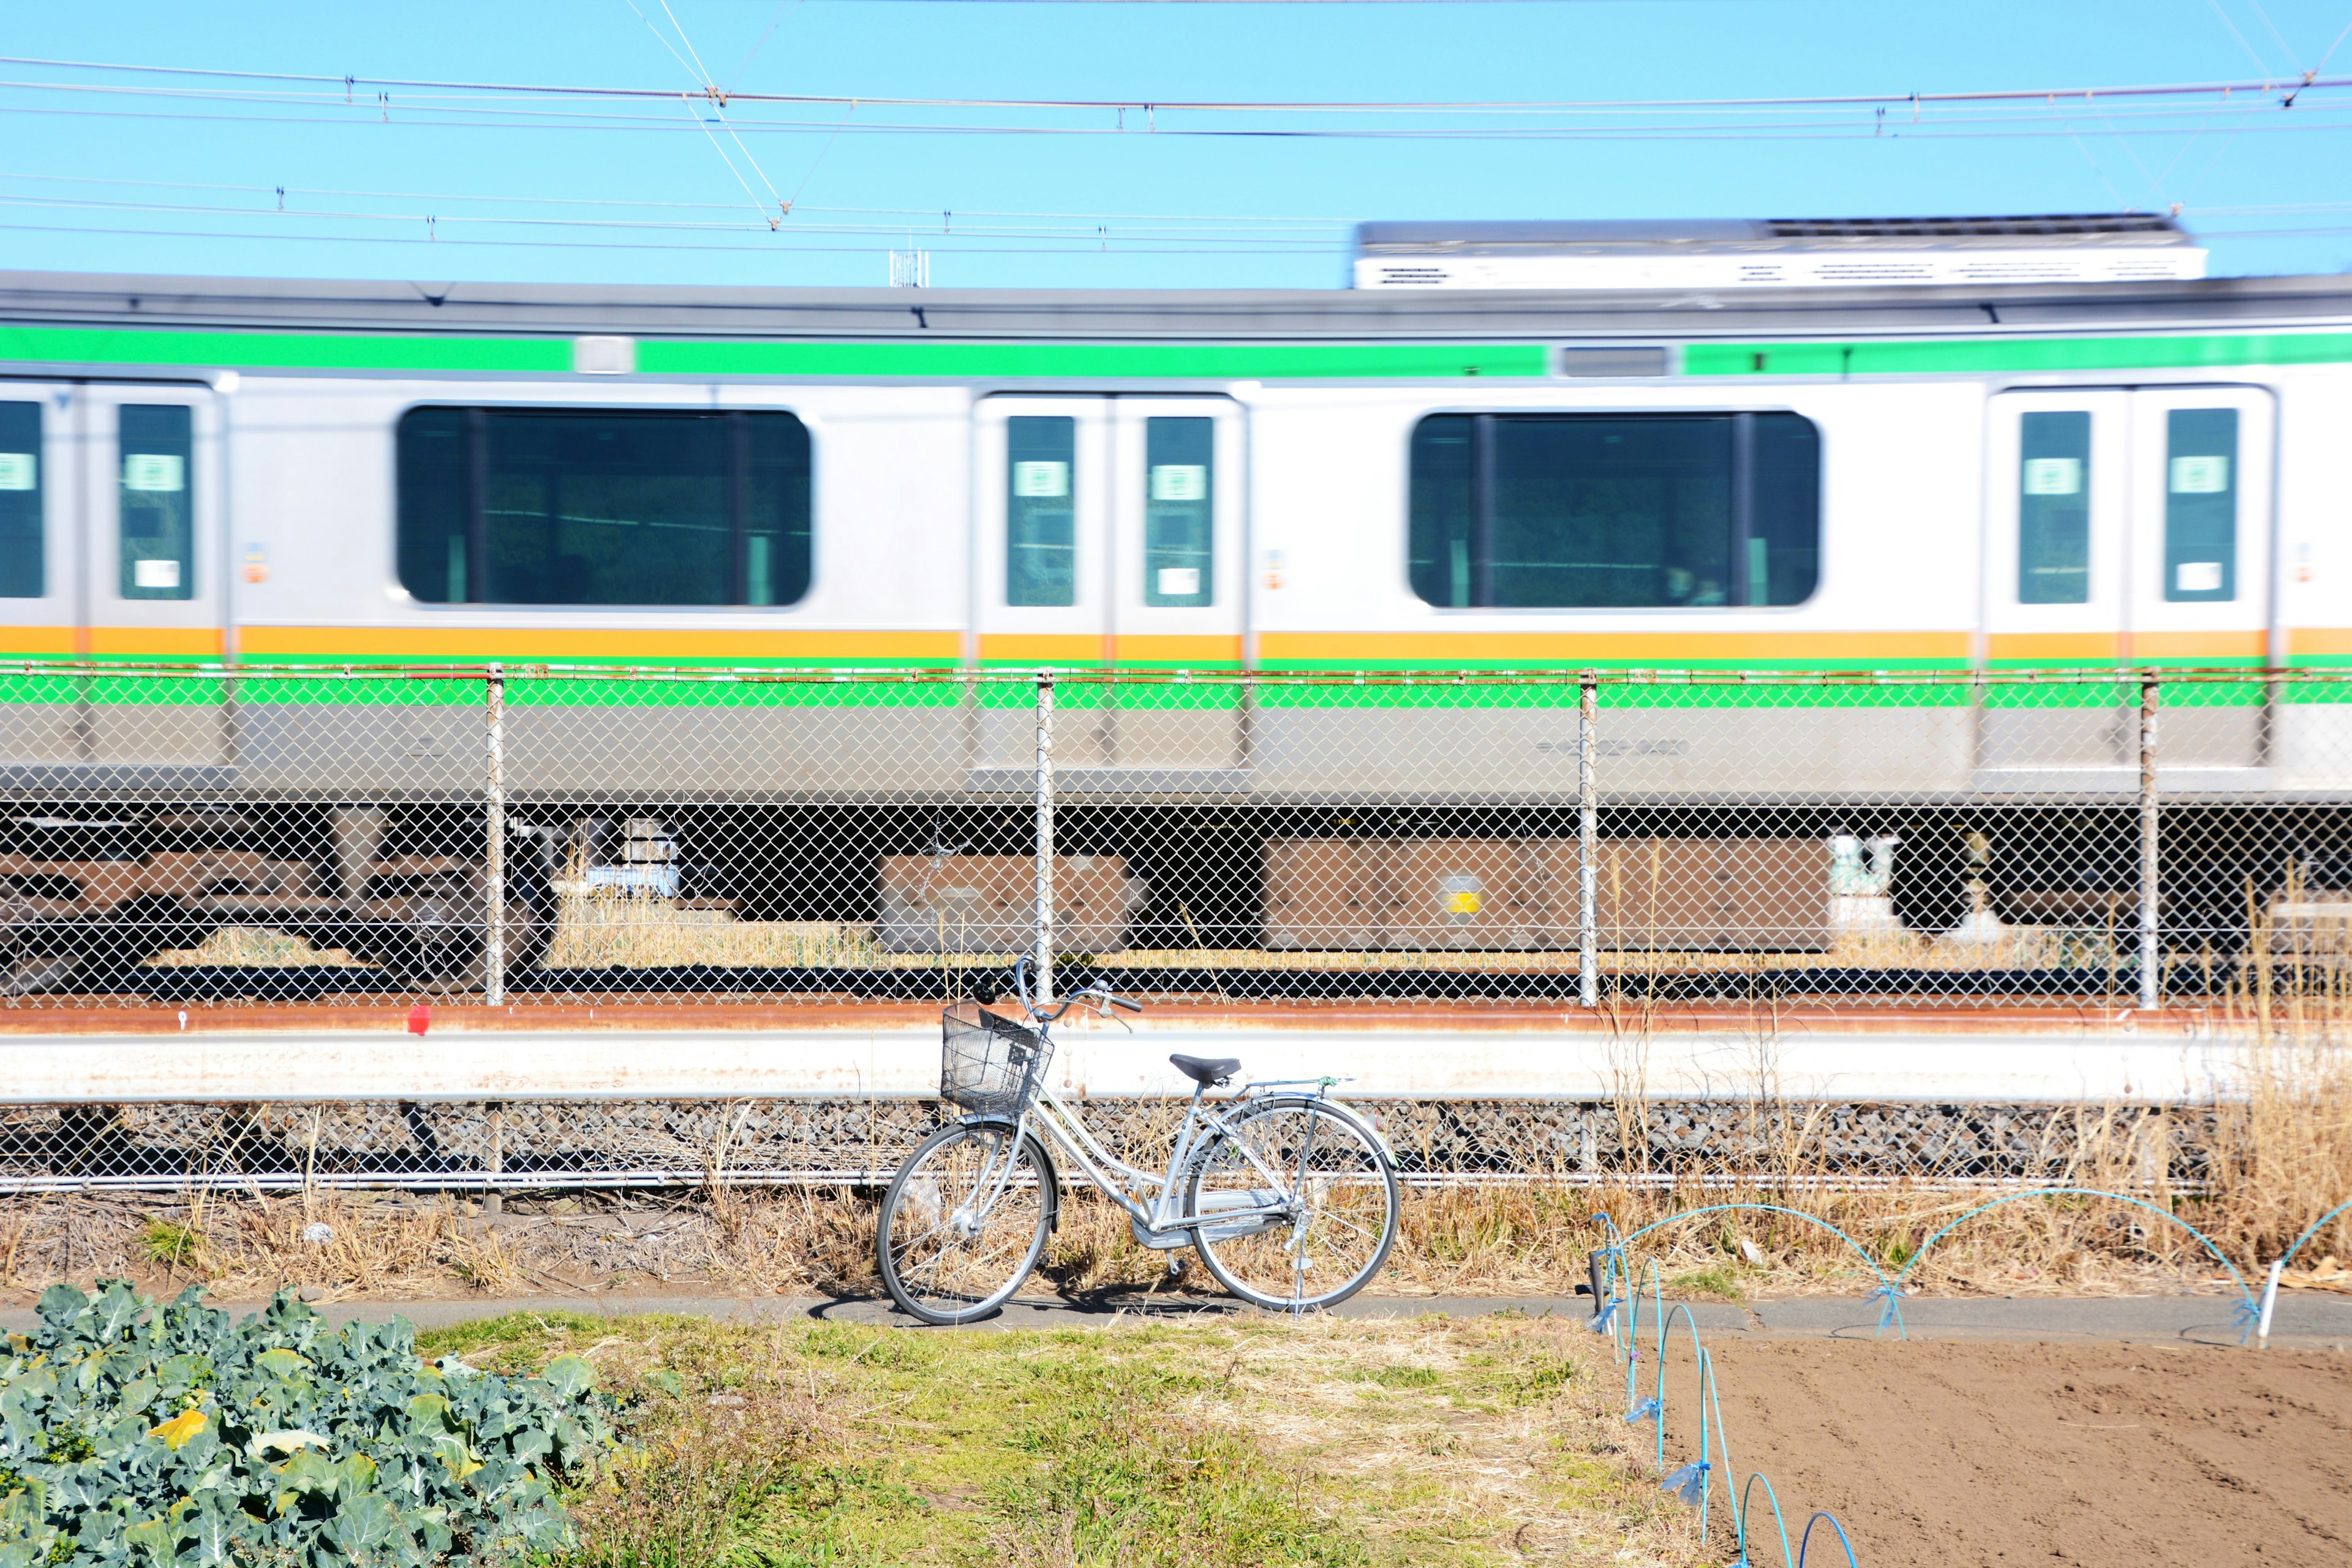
(964, 1221)
(1333, 1185)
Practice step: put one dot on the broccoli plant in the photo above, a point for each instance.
(136, 1433)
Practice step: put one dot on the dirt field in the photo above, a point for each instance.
(1966, 1455)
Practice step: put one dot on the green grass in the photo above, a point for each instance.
(173, 1246)
(1230, 1444)
(1722, 1282)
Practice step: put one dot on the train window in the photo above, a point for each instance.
(1178, 564)
(1040, 541)
(157, 515)
(2054, 508)
(2201, 504)
(570, 506)
(21, 563)
(1613, 510)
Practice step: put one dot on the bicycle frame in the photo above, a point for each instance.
(1159, 1222)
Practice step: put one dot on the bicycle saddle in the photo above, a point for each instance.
(1206, 1071)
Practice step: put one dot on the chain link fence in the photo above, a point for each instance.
(486, 1147)
(532, 835)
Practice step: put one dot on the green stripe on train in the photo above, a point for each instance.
(664, 356)
(544, 699)
(967, 361)
(1982, 356)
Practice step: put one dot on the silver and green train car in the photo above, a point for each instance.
(1903, 478)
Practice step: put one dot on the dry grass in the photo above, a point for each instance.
(255, 946)
(2251, 1173)
(604, 929)
(1201, 1444)
(2283, 1153)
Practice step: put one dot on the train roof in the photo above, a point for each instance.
(1679, 314)
(1745, 233)
(1715, 253)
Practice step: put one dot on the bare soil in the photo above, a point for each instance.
(1981, 1455)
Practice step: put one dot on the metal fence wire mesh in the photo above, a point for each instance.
(521, 1145)
(529, 834)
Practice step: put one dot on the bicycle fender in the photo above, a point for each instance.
(1327, 1102)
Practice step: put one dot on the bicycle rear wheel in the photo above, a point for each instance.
(960, 1231)
(1338, 1191)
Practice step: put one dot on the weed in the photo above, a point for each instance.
(1399, 1376)
(172, 1245)
(1720, 1282)
(1192, 1446)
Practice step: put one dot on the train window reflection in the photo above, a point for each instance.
(2054, 508)
(21, 570)
(156, 514)
(565, 506)
(2200, 505)
(1041, 547)
(1614, 510)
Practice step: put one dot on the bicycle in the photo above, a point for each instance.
(1287, 1195)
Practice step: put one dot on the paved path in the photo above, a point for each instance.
(2304, 1319)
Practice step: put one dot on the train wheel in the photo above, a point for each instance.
(433, 940)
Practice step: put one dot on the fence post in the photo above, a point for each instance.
(2151, 978)
(493, 1193)
(1045, 951)
(1588, 847)
(494, 851)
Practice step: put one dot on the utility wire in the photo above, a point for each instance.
(1087, 231)
(1980, 108)
(2152, 122)
(1091, 245)
(1821, 131)
(2266, 84)
(2259, 64)
(1087, 244)
(446, 199)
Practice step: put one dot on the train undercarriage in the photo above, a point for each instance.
(115, 897)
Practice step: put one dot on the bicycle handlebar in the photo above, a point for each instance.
(1109, 998)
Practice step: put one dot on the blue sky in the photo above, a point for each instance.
(154, 179)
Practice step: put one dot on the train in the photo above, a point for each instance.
(2086, 458)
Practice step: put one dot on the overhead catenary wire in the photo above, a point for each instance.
(2319, 120)
(717, 100)
(644, 201)
(552, 104)
(769, 247)
(1906, 97)
(1088, 229)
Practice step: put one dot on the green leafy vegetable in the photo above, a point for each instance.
(131, 1433)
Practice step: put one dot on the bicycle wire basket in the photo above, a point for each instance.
(989, 1064)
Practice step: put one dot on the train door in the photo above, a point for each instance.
(1110, 538)
(2200, 573)
(151, 482)
(39, 497)
(2125, 527)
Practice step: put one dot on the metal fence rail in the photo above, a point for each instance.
(525, 835)
(491, 1146)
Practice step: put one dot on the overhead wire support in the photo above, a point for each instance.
(716, 97)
